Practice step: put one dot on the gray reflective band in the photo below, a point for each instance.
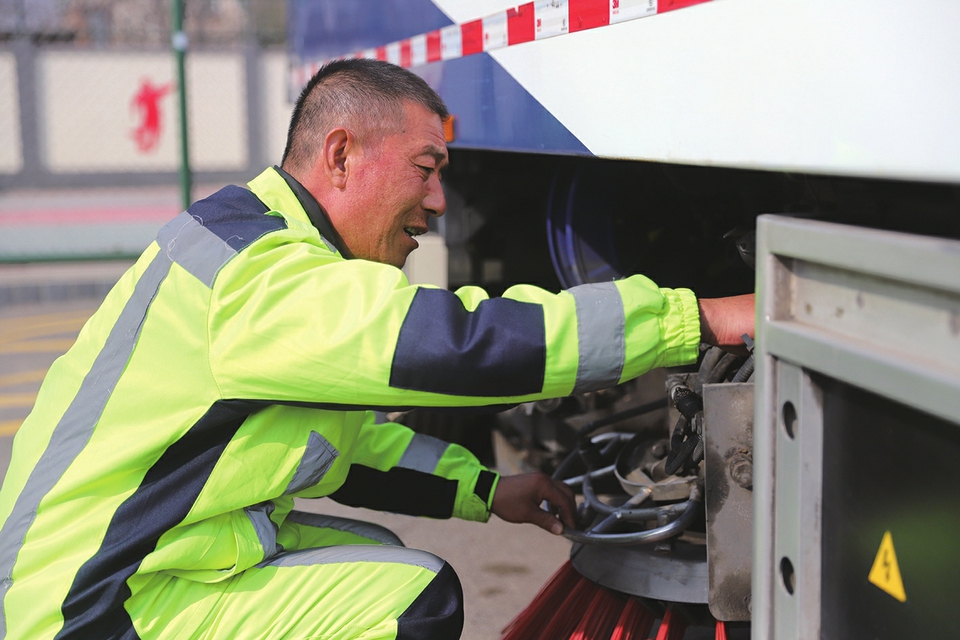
(357, 527)
(77, 423)
(329, 244)
(600, 331)
(194, 247)
(317, 459)
(259, 515)
(351, 553)
(423, 453)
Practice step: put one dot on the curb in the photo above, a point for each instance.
(46, 282)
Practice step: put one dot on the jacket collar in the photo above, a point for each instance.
(318, 217)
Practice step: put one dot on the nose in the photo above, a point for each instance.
(435, 201)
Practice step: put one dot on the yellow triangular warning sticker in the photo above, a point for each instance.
(886, 572)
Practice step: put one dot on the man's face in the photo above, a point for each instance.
(395, 190)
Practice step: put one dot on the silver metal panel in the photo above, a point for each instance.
(642, 571)
(877, 309)
(874, 309)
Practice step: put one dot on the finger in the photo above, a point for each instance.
(562, 501)
(546, 521)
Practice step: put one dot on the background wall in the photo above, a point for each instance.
(100, 118)
(90, 146)
(88, 92)
(11, 153)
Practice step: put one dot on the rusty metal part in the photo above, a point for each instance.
(728, 479)
(638, 468)
(670, 488)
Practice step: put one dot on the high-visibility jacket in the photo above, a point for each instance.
(234, 367)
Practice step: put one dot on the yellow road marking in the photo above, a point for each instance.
(33, 330)
(8, 400)
(48, 345)
(9, 427)
(22, 377)
(41, 318)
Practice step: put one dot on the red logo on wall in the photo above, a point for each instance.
(146, 103)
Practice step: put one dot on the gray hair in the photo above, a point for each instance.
(363, 95)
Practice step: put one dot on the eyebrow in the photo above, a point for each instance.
(437, 154)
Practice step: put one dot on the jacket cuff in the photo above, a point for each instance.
(680, 329)
(477, 505)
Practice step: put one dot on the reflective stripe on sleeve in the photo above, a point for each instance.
(259, 516)
(600, 333)
(317, 459)
(423, 453)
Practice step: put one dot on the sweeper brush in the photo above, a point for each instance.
(570, 607)
(657, 505)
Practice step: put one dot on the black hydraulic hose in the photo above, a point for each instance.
(709, 361)
(680, 455)
(718, 373)
(687, 402)
(639, 410)
(746, 370)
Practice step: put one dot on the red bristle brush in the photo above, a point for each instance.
(571, 607)
(721, 633)
(672, 626)
(600, 617)
(568, 610)
(634, 623)
(531, 622)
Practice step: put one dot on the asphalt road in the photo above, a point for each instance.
(501, 565)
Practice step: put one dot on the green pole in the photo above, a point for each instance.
(179, 41)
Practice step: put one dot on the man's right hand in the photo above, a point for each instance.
(723, 321)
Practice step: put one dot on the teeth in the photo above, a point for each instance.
(410, 231)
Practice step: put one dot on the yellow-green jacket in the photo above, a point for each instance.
(234, 368)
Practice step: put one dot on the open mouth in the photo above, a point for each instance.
(413, 232)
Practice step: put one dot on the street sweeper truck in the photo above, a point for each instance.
(803, 149)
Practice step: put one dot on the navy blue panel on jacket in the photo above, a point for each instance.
(93, 607)
(235, 215)
(437, 613)
(398, 490)
(499, 349)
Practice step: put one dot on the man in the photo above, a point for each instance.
(234, 367)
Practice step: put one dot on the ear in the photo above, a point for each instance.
(338, 147)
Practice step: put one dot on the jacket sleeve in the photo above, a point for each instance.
(293, 322)
(394, 469)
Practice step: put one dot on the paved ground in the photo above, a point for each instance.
(43, 306)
